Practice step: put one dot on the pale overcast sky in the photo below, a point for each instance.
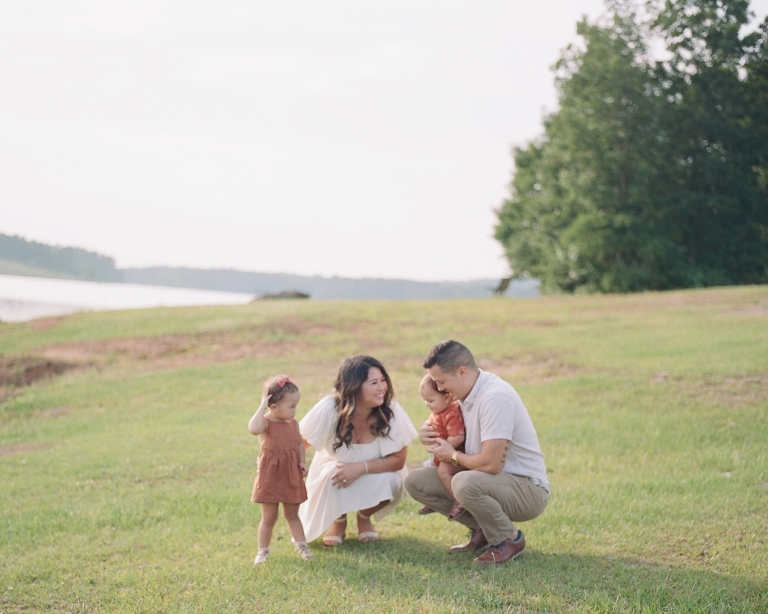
(321, 137)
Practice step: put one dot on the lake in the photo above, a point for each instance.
(25, 298)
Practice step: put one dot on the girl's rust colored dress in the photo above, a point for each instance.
(279, 478)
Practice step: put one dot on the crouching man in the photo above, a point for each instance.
(504, 478)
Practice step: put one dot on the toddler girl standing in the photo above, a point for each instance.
(282, 464)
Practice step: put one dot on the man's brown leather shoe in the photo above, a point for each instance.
(476, 541)
(505, 551)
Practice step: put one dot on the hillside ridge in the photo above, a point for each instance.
(19, 256)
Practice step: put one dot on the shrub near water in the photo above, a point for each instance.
(126, 480)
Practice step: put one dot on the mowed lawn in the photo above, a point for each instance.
(125, 480)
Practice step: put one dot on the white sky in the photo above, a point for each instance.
(320, 137)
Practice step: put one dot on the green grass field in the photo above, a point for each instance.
(126, 480)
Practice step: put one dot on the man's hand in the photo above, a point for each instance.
(491, 458)
(442, 450)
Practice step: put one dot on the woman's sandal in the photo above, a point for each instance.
(366, 537)
(331, 540)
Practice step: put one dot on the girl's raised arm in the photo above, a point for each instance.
(258, 423)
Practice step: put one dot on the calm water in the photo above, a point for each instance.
(26, 298)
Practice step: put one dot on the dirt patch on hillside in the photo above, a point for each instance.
(56, 412)
(171, 351)
(730, 391)
(25, 370)
(758, 309)
(134, 349)
(48, 323)
(534, 368)
(284, 338)
(19, 371)
(21, 448)
(725, 301)
(287, 338)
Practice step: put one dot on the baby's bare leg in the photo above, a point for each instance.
(446, 471)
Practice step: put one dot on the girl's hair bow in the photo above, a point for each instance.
(283, 380)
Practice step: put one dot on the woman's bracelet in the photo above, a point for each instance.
(366, 466)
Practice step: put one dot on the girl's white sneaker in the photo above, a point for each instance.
(304, 552)
(261, 556)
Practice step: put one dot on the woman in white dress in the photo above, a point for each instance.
(361, 436)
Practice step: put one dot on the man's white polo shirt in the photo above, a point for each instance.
(494, 410)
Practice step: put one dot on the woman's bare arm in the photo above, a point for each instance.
(392, 462)
(346, 474)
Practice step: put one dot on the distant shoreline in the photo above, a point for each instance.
(317, 287)
(23, 311)
(24, 298)
(18, 256)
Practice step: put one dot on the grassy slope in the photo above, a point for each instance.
(652, 410)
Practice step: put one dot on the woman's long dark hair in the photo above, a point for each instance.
(353, 373)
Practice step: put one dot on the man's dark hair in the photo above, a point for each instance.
(449, 355)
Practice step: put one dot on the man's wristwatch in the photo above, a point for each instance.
(455, 457)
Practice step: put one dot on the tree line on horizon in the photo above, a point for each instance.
(67, 261)
(653, 172)
(19, 256)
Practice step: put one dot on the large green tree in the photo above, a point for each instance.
(652, 173)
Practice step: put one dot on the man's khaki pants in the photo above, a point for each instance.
(492, 502)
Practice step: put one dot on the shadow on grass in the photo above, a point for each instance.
(428, 576)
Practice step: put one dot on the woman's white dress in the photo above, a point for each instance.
(327, 502)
